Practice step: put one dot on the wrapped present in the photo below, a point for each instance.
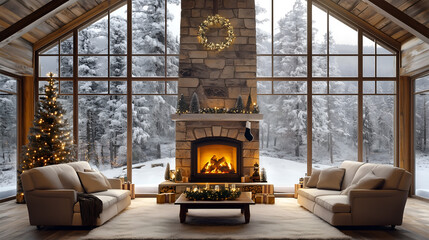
(264, 198)
(131, 187)
(269, 189)
(166, 198)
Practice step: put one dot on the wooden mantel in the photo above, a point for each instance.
(228, 117)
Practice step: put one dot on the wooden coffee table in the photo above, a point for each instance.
(242, 203)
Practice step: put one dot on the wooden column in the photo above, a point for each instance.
(27, 108)
(405, 124)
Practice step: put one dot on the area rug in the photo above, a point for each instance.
(145, 219)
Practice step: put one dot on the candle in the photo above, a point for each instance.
(207, 186)
(217, 188)
(188, 189)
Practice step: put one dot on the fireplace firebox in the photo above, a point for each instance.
(216, 159)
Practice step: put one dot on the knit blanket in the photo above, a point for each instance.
(90, 208)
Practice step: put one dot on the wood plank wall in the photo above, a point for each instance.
(415, 55)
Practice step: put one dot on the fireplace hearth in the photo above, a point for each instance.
(216, 159)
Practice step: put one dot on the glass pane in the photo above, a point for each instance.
(369, 87)
(369, 66)
(148, 87)
(290, 27)
(421, 141)
(173, 26)
(93, 39)
(382, 50)
(293, 87)
(42, 85)
(290, 66)
(172, 66)
(118, 31)
(66, 102)
(282, 138)
(154, 138)
(263, 26)
(118, 87)
(7, 83)
(346, 66)
(148, 26)
(263, 66)
(343, 39)
(320, 66)
(8, 145)
(51, 50)
(48, 64)
(172, 87)
(386, 66)
(368, 45)
(66, 66)
(86, 87)
(118, 66)
(264, 87)
(378, 129)
(386, 87)
(148, 66)
(66, 87)
(67, 46)
(343, 87)
(422, 84)
(320, 87)
(92, 66)
(335, 123)
(103, 133)
(320, 29)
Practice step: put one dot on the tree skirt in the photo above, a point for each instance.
(145, 219)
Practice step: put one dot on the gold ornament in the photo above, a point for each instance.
(211, 21)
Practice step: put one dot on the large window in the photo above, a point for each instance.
(421, 136)
(8, 135)
(111, 82)
(347, 102)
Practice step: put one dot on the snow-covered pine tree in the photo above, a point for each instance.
(194, 106)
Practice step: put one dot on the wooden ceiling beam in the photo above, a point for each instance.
(99, 9)
(355, 20)
(32, 20)
(400, 18)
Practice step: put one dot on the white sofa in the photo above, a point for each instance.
(51, 195)
(361, 207)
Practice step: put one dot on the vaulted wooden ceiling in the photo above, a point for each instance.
(17, 55)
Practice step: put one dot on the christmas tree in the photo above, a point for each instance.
(195, 104)
(49, 140)
(182, 107)
(249, 103)
(239, 105)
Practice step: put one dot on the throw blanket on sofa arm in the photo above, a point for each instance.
(90, 208)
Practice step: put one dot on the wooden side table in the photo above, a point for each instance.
(297, 187)
(131, 187)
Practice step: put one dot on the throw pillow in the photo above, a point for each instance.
(92, 181)
(314, 178)
(369, 181)
(331, 178)
(105, 178)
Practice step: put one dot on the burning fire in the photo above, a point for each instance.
(215, 165)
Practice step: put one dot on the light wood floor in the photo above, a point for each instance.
(14, 224)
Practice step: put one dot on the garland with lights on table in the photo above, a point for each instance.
(212, 195)
(216, 20)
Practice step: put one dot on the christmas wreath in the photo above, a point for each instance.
(215, 20)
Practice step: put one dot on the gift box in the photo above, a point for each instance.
(166, 198)
(131, 187)
(269, 189)
(264, 198)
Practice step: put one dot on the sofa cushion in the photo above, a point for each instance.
(392, 175)
(117, 193)
(334, 203)
(108, 201)
(60, 176)
(79, 166)
(314, 178)
(105, 178)
(312, 193)
(369, 181)
(92, 181)
(331, 178)
(70, 180)
(351, 168)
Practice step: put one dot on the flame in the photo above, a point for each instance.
(217, 159)
(215, 165)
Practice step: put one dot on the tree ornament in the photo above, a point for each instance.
(167, 172)
(182, 107)
(239, 105)
(219, 21)
(195, 104)
(247, 133)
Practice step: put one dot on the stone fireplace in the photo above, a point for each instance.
(218, 78)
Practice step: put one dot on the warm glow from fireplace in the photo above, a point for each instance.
(217, 159)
